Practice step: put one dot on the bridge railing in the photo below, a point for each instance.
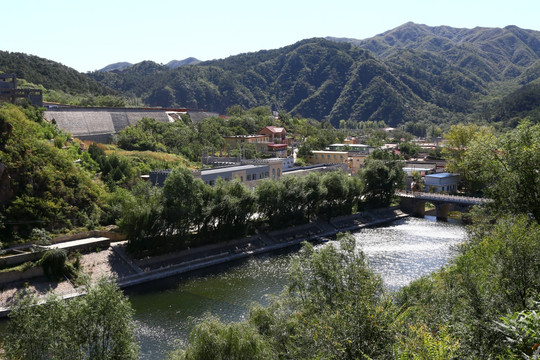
(442, 197)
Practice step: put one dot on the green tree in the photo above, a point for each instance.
(496, 272)
(95, 326)
(314, 192)
(214, 340)
(268, 201)
(409, 149)
(381, 178)
(230, 208)
(509, 168)
(183, 202)
(334, 307)
(143, 216)
(457, 142)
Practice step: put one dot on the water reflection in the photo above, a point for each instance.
(167, 310)
(408, 249)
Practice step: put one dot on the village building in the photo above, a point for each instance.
(442, 182)
(277, 135)
(248, 173)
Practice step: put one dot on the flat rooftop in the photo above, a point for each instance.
(230, 169)
(442, 175)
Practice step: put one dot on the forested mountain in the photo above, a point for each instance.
(50, 74)
(491, 53)
(173, 64)
(314, 78)
(119, 66)
(411, 73)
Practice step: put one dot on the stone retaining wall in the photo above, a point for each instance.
(114, 236)
(16, 276)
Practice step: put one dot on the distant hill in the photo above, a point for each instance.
(411, 74)
(50, 74)
(519, 104)
(119, 66)
(493, 54)
(314, 78)
(173, 64)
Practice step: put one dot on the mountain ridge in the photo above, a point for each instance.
(411, 74)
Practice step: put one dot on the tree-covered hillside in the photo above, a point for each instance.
(50, 74)
(313, 78)
(490, 53)
(409, 74)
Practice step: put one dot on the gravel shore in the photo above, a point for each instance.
(94, 264)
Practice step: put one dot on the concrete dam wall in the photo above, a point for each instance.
(98, 124)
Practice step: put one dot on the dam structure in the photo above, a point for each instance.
(100, 124)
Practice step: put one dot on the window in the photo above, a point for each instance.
(249, 178)
(273, 174)
(278, 173)
(241, 178)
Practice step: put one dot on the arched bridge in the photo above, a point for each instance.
(415, 203)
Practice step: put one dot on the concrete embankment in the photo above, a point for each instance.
(139, 271)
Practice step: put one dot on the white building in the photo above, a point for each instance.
(442, 182)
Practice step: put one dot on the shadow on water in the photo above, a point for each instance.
(166, 310)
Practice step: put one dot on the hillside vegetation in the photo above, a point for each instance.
(414, 73)
(50, 74)
(411, 74)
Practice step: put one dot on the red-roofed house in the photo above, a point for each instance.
(276, 134)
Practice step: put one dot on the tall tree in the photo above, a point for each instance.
(382, 175)
(458, 139)
(509, 168)
(183, 203)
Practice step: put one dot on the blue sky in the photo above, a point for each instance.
(88, 35)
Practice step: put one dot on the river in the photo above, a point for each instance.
(166, 310)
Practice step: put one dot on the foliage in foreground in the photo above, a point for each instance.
(95, 326)
(496, 274)
(335, 307)
(44, 187)
(483, 305)
(509, 168)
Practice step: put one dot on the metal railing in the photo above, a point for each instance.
(442, 197)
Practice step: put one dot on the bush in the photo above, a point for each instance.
(54, 264)
(95, 326)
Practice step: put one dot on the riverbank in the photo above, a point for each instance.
(129, 272)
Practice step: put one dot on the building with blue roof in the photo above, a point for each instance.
(442, 182)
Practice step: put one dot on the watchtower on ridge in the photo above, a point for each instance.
(10, 93)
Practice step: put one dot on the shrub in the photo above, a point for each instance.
(54, 263)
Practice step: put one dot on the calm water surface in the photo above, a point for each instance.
(167, 310)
